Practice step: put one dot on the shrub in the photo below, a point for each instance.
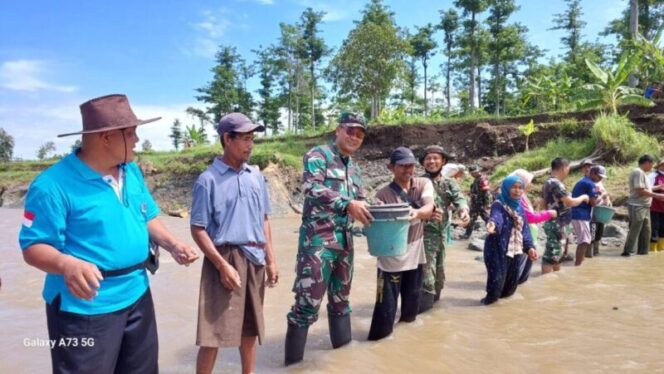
(617, 135)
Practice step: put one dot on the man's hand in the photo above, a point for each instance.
(272, 274)
(229, 277)
(553, 213)
(437, 215)
(359, 210)
(491, 227)
(465, 218)
(81, 277)
(532, 254)
(183, 254)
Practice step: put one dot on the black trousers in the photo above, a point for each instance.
(502, 276)
(124, 341)
(390, 285)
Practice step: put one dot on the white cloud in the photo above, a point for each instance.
(32, 124)
(337, 11)
(209, 32)
(28, 75)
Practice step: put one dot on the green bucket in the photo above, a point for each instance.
(387, 237)
(603, 214)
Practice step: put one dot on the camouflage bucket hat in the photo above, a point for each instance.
(349, 119)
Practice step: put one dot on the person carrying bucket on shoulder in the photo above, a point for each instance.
(402, 275)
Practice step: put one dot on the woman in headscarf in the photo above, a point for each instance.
(509, 239)
(532, 218)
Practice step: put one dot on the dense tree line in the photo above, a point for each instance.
(488, 65)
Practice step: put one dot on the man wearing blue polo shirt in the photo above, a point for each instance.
(582, 214)
(87, 223)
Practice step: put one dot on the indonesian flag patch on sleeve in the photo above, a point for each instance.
(28, 217)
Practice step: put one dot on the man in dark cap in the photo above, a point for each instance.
(402, 275)
(333, 199)
(87, 223)
(229, 222)
(447, 196)
(480, 198)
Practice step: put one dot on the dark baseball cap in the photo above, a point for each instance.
(436, 149)
(237, 122)
(402, 156)
(598, 170)
(349, 119)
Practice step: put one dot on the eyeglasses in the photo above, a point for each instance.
(355, 132)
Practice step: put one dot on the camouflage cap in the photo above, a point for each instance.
(436, 149)
(474, 168)
(349, 119)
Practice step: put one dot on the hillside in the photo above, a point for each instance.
(489, 143)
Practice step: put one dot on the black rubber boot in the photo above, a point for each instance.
(296, 339)
(426, 301)
(339, 330)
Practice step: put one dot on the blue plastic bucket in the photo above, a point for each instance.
(603, 214)
(389, 211)
(387, 237)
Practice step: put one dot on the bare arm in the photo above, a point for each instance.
(181, 252)
(270, 260)
(643, 192)
(229, 277)
(81, 277)
(574, 201)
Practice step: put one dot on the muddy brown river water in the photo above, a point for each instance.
(607, 316)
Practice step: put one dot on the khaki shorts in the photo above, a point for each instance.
(225, 316)
(582, 231)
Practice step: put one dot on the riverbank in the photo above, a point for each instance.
(606, 316)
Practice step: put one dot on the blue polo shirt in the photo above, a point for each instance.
(231, 206)
(71, 208)
(585, 186)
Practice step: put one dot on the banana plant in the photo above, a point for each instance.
(609, 90)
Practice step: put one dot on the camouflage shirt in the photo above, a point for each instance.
(447, 193)
(480, 196)
(330, 182)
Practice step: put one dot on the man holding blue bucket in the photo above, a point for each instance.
(333, 198)
(402, 275)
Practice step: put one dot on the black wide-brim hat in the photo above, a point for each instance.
(106, 113)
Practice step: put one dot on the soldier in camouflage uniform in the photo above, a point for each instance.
(480, 199)
(333, 198)
(447, 195)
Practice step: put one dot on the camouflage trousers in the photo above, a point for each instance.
(434, 270)
(320, 270)
(475, 212)
(554, 243)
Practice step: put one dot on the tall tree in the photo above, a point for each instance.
(507, 45)
(290, 67)
(6, 146)
(423, 44)
(650, 18)
(311, 49)
(146, 146)
(176, 134)
(449, 23)
(45, 149)
(268, 69)
(369, 59)
(570, 22)
(227, 91)
(470, 10)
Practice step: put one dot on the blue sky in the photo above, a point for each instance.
(54, 55)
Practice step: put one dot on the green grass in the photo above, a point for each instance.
(618, 135)
(540, 158)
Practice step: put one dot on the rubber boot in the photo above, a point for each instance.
(660, 245)
(596, 248)
(339, 330)
(426, 301)
(589, 250)
(296, 339)
(653, 247)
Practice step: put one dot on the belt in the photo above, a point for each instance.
(123, 271)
